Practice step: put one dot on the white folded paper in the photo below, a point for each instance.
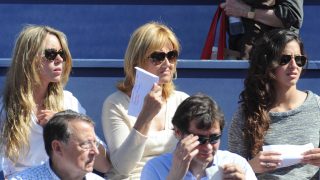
(214, 173)
(142, 86)
(290, 154)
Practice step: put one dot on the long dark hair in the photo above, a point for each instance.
(259, 92)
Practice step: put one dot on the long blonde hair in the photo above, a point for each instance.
(22, 78)
(146, 39)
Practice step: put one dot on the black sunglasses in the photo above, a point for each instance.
(51, 54)
(212, 139)
(300, 60)
(158, 57)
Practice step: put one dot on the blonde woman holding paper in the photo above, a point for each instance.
(134, 140)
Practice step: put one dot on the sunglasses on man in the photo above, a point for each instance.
(158, 57)
(300, 60)
(212, 139)
(51, 54)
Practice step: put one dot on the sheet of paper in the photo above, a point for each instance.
(214, 173)
(143, 84)
(290, 154)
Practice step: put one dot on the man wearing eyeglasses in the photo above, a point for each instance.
(70, 142)
(198, 124)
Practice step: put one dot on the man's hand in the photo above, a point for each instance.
(182, 156)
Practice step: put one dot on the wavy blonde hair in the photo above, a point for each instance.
(22, 79)
(145, 40)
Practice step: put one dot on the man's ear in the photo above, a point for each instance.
(177, 133)
(56, 147)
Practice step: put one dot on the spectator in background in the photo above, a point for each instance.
(198, 124)
(133, 141)
(274, 112)
(71, 145)
(260, 16)
(33, 93)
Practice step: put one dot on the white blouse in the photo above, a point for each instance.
(37, 154)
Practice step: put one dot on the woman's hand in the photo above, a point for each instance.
(151, 107)
(44, 116)
(265, 161)
(311, 157)
(182, 156)
(232, 171)
(153, 101)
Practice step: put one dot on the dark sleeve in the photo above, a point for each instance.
(290, 12)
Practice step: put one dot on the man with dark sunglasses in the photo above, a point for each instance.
(198, 124)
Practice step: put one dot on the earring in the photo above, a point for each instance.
(177, 133)
(175, 75)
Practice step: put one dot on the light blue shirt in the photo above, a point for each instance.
(158, 168)
(44, 172)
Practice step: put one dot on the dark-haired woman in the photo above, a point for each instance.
(274, 111)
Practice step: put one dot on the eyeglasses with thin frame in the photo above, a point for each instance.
(51, 54)
(157, 58)
(212, 139)
(88, 145)
(300, 60)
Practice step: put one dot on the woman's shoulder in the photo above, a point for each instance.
(238, 116)
(67, 94)
(71, 102)
(69, 97)
(117, 97)
(309, 97)
(239, 110)
(312, 96)
(179, 95)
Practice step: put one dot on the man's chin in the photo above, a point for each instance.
(205, 159)
(89, 169)
(89, 166)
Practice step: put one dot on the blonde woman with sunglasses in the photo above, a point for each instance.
(33, 93)
(273, 111)
(133, 141)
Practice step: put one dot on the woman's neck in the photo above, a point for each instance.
(288, 99)
(39, 95)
